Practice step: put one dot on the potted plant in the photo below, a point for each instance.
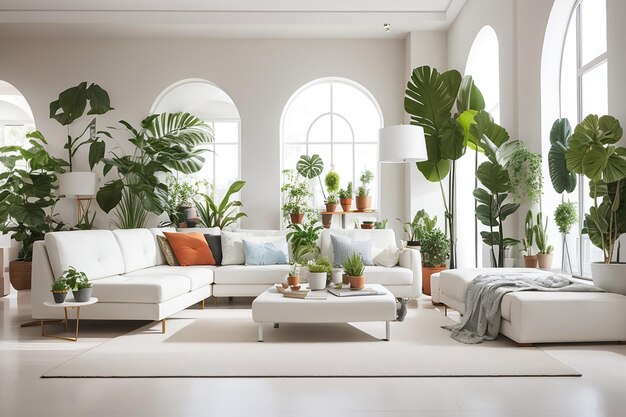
(78, 282)
(221, 214)
(353, 266)
(544, 254)
(293, 278)
(319, 272)
(345, 197)
(363, 198)
(416, 229)
(565, 216)
(180, 208)
(332, 186)
(592, 152)
(382, 224)
(435, 251)
(59, 290)
(367, 224)
(530, 260)
(27, 200)
(303, 239)
(525, 175)
(296, 196)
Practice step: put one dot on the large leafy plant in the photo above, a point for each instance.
(70, 106)
(562, 178)
(303, 239)
(592, 152)
(430, 100)
(296, 195)
(221, 214)
(165, 143)
(311, 167)
(27, 192)
(421, 224)
(435, 248)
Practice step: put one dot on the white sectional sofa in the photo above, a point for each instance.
(530, 317)
(132, 280)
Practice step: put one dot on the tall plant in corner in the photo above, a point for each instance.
(430, 99)
(165, 143)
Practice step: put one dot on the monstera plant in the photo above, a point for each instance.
(310, 167)
(165, 143)
(562, 178)
(430, 99)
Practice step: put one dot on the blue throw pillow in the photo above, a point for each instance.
(265, 253)
(344, 247)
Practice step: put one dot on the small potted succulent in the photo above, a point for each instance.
(319, 270)
(345, 197)
(544, 256)
(363, 198)
(435, 250)
(78, 283)
(293, 279)
(332, 186)
(59, 290)
(367, 224)
(530, 260)
(353, 266)
(381, 224)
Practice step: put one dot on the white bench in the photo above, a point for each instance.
(530, 317)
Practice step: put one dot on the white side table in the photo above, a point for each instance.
(67, 305)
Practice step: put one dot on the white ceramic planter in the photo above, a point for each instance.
(337, 275)
(609, 277)
(317, 280)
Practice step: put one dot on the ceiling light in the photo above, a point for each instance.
(387, 27)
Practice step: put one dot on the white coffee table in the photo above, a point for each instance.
(272, 307)
(70, 304)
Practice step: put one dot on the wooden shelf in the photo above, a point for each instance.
(350, 212)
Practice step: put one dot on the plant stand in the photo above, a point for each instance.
(66, 305)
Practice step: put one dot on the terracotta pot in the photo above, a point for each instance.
(296, 218)
(331, 207)
(544, 260)
(346, 203)
(530, 261)
(363, 203)
(367, 225)
(357, 283)
(19, 273)
(293, 280)
(327, 220)
(427, 271)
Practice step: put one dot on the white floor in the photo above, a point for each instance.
(25, 355)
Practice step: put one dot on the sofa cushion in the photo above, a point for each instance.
(158, 231)
(94, 252)
(265, 253)
(388, 257)
(138, 247)
(381, 238)
(190, 248)
(344, 247)
(167, 251)
(232, 248)
(215, 244)
(388, 276)
(251, 274)
(198, 275)
(135, 288)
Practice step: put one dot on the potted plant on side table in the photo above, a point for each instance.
(345, 197)
(354, 269)
(79, 284)
(332, 186)
(363, 198)
(435, 251)
(59, 290)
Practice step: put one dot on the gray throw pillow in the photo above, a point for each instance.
(215, 244)
(344, 247)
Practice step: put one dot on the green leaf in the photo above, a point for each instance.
(561, 177)
(70, 105)
(482, 196)
(466, 120)
(310, 166)
(96, 153)
(469, 97)
(110, 195)
(434, 172)
(99, 101)
(28, 214)
(491, 238)
(487, 215)
(610, 130)
(507, 209)
(452, 140)
(494, 177)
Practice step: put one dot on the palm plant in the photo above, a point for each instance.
(165, 143)
(224, 213)
(130, 213)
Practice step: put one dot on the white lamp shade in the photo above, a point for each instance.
(77, 184)
(402, 143)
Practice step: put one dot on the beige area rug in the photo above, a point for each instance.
(223, 343)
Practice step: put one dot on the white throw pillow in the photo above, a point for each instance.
(232, 248)
(388, 257)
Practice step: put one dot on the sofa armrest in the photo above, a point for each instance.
(412, 259)
(42, 279)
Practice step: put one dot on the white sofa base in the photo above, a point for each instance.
(530, 317)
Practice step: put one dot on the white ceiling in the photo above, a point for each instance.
(225, 18)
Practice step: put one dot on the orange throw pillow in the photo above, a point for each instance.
(190, 248)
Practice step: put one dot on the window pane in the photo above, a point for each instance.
(324, 152)
(226, 132)
(569, 76)
(226, 168)
(342, 162)
(206, 173)
(342, 132)
(359, 111)
(303, 109)
(320, 130)
(595, 86)
(366, 157)
(593, 30)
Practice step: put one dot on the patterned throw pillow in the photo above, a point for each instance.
(344, 247)
(168, 253)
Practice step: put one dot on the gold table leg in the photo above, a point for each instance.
(163, 326)
(71, 339)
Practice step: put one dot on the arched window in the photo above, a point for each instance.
(211, 104)
(16, 118)
(483, 64)
(339, 120)
(583, 91)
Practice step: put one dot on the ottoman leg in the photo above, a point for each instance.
(387, 331)
(260, 332)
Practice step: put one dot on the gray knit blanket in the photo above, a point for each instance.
(481, 320)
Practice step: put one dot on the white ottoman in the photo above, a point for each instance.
(542, 317)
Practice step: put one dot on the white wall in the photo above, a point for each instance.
(259, 75)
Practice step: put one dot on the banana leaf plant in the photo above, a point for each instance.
(70, 106)
(430, 99)
(212, 214)
(562, 178)
(592, 152)
(165, 143)
(28, 192)
(492, 208)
